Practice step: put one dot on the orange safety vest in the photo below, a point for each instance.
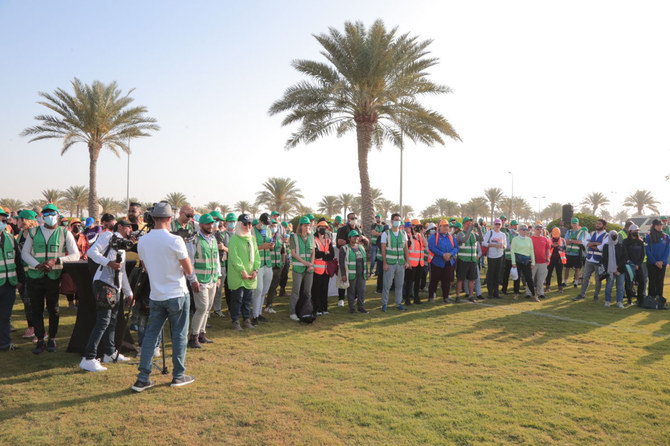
(416, 251)
(561, 252)
(82, 244)
(320, 264)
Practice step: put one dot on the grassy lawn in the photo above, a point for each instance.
(502, 372)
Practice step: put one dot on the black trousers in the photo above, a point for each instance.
(444, 275)
(507, 267)
(493, 273)
(320, 292)
(412, 283)
(656, 277)
(555, 263)
(41, 291)
(526, 272)
(380, 276)
(638, 278)
(283, 278)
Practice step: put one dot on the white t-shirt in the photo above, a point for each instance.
(495, 238)
(161, 252)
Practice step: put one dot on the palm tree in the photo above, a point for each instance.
(493, 196)
(254, 209)
(406, 211)
(329, 205)
(371, 84)
(605, 215)
(242, 206)
(36, 204)
(594, 201)
(510, 206)
(431, 211)
(446, 207)
(552, 211)
(285, 209)
(522, 208)
(75, 198)
(176, 199)
(475, 207)
(377, 196)
(346, 200)
(53, 196)
(11, 203)
(641, 199)
(621, 217)
(277, 192)
(97, 115)
(211, 206)
(303, 209)
(384, 207)
(110, 205)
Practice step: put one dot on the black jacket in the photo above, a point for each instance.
(634, 250)
(620, 257)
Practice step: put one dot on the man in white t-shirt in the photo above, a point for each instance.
(496, 242)
(166, 261)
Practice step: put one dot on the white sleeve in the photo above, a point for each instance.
(96, 252)
(179, 248)
(72, 248)
(384, 237)
(27, 248)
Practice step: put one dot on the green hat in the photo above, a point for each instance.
(338, 219)
(574, 220)
(353, 233)
(502, 217)
(378, 215)
(27, 214)
(311, 217)
(273, 221)
(215, 214)
(304, 220)
(663, 217)
(255, 222)
(3, 212)
(481, 220)
(50, 207)
(466, 219)
(206, 219)
(284, 224)
(231, 217)
(452, 219)
(458, 225)
(514, 222)
(273, 213)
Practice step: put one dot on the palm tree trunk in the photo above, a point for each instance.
(92, 178)
(364, 136)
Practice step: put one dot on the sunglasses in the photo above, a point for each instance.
(47, 214)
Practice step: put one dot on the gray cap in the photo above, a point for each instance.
(162, 210)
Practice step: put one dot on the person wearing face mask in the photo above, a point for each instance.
(27, 220)
(614, 260)
(633, 247)
(283, 277)
(376, 230)
(380, 263)
(11, 277)
(395, 258)
(594, 253)
(658, 249)
(265, 242)
(278, 257)
(523, 259)
(44, 251)
(557, 258)
(67, 285)
(416, 261)
(343, 238)
(495, 242)
(226, 234)
(323, 252)
(444, 247)
(353, 270)
(466, 260)
(302, 255)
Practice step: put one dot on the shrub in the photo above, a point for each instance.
(586, 220)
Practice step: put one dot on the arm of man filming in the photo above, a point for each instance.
(96, 251)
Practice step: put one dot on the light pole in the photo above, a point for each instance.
(401, 150)
(511, 211)
(128, 178)
(538, 205)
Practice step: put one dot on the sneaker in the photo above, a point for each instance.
(294, 317)
(51, 346)
(377, 292)
(448, 300)
(607, 304)
(203, 339)
(480, 297)
(218, 313)
(270, 310)
(91, 365)
(141, 386)
(325, 313)
(352, 311)
(384, 308)
(116, 357)
(10, 348)
(157, 352)
(620, 305)
(340, 303)
(542, 296)
(236, 326)
(254, 321)
(471, 299)
(318, 313)
(363, 310)
(29, 334)
(178, 382)
(595, 298)
(578, 298)
(247, 324)
(260, 318)
(400, 307)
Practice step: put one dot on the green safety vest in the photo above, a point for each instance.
(467, 252)
(350, 255)
(8, 265)
(508, 251)
(175, 226)
(395, 247)
(266, 255)
(46, 250)
(205, 261)
(373, 239)
(304, 250)
(572, 250)
(275, 254)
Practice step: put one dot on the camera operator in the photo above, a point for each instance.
(109, 277)
(166, 260)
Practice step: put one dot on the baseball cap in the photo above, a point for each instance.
(574, 220)
(304, 220)
(230, 217)
(466, 219)
(353, 233)
(215, 214)
(497, 221)
(244, 218)
(206, 219)
(50, 207)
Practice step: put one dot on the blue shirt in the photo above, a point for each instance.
(443, 246)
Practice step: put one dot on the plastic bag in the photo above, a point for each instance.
(514, 273)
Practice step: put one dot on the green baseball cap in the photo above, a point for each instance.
(304, 220)
(273, 213)
(255, 222)
(466, 219)
(353, 233)
(284, 224)
(338, 219)
(458, 225)
(663, 217)
(502, 217)
(378, 215)
(481, 220)
(311, 217)
(3, 212)
(206, 219)
(231, 217)
(514, 222)
(215, 214)
(27, 214)
(50, 207)
(574, 220)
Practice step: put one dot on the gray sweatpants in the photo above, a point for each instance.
(539, 276)
(300, 279)
(590, 268)
(356, 293)
(396, 272)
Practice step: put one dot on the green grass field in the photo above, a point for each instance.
(502, 372)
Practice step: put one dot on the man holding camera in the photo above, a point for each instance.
(109, 251)
(166, 260)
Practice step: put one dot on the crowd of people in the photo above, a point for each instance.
(194, 263)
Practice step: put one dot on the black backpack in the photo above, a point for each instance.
(654, 302)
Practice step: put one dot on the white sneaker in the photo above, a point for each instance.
(118, 356)
(91, 365)
(294, 317)
(620, 304)
(270, 310)
(157, 351)
(607, 304)
(325, 313)
(318, 313)
(340, 303)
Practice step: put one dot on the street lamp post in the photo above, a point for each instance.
(538, 204)
(401, 150)
(511, 213)
(128, 178)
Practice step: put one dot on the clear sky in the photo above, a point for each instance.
(573, 97)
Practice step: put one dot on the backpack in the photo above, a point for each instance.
(654, 302)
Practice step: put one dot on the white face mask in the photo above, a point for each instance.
(274, 229)
(3, 225)
(51, 220)
(396, 224)
(231, 225)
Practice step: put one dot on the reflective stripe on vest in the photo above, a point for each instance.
(266, 255)
(175, 226)
(395, 246)
(275, 255)
(572, 250)
(204, 262)
(416, 252)
(320, 264)
(304, 250)
(467, 252)
(592, 254)
(8, 265)
(350, 255)
(373, 239)
(46, 250)
(561, 252)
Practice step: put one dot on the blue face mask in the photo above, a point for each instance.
(231, 225)
(3, 225)
(396, 224)
(51, 220)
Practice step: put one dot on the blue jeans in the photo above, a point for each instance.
(620, 281)
(7, 298)
(373, 258)
(177, 311)
(240, 302)
(104, 330)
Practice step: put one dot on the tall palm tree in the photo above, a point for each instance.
(430, 212)
(522, 208)
(621, 217)
(377, 196)
(493, 196)
(53, 196)
(446, 207)
(285, 209)
(11, 203)
(346, 200)
(641, 199)
(75, 198)
(110, 205)
(97, 115)
(329, 205)
(384, 207)
(552, 211)
(242, 206)
(594, 201)
(303, 209)
(371, 84)
(510, 206)
(277, 192)
(254, 209)
(475, 207)
(212, 205)
(36, 204)
(176, 199)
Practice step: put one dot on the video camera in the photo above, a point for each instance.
(119, 243)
